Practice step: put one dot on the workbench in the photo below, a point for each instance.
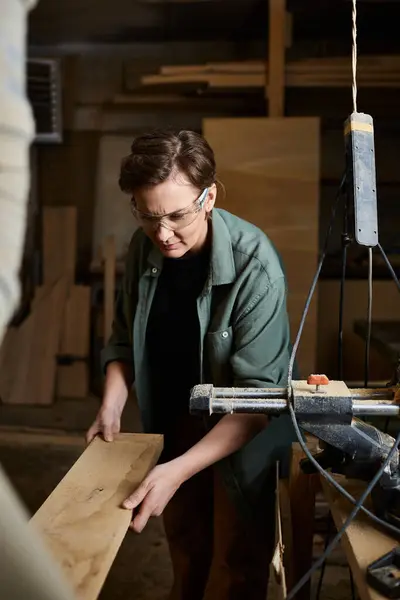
(363, 542)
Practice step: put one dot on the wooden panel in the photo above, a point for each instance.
(276, 66)
(31, 376)
(270, 169)
(72, 380)
(59, 243)
(82, 521)
(386, 303)
(76, 325)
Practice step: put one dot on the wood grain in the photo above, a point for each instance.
(82, 521)
(59, 243)
(28, 375)
(362, 542)
(270, 170)
(275, 89)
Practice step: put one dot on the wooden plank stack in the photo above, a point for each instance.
(57, 328)
(372, 71)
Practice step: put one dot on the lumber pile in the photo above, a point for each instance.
(47, 354)
(372, 71)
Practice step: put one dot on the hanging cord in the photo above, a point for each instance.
(389, 266)
(354, 55)
(369, 320)
(345, 243)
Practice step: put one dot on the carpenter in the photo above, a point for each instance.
(203, 299)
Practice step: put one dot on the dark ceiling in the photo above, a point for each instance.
(131, 21)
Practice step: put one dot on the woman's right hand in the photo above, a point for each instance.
(107, 422)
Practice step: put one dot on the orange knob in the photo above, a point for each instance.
(317, 380)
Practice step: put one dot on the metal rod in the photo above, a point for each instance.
(263, 393)
(276, 406)
(248, 405)
(375, 408)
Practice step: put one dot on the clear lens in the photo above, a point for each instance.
(173, 221)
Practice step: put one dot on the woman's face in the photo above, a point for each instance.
(173, 214)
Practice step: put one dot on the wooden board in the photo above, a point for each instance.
(75, 332)
(59, 243)
(275, 90)
(362, 541)
(270, 169)
(30, 377)
(82, 521)
(72, 380)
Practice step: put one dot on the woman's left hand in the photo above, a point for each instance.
(154, 493)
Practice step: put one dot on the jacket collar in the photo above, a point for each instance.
(222, 263)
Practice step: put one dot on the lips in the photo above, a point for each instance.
(170, 246)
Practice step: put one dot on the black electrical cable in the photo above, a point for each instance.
(345, 242)
(369, 321)
(349, 519)
(316, 464)
(392, 528)
(392, 272)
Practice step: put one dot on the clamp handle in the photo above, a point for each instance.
(317, 380)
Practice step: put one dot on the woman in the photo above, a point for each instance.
(203, 300)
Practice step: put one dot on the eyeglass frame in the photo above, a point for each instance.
(198, 204)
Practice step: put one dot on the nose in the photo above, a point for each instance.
(163, 234)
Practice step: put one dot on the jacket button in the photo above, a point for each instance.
(225, 334)
(154, 270)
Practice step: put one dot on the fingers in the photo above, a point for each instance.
(137, 497)
(93, 431)
(144, 514)
(108, 432)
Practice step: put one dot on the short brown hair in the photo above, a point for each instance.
(155, 156)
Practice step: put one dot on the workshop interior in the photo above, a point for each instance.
(299, 100)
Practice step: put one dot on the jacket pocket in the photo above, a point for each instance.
(218, 349)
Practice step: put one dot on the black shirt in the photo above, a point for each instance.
(173, 338)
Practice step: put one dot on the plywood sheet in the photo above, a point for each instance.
(270, 170)
(30, 378)
(72, 380)
(82, 521)
(76, 325)
(59, 243)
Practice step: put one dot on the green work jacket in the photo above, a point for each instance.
(244, 338)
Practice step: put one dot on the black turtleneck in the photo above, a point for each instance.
(173, 338)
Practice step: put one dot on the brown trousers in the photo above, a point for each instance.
(216, 555)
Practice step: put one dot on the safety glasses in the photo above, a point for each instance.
(174, 221)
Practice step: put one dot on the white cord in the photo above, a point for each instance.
(354, 55)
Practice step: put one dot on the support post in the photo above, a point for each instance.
(277, 40)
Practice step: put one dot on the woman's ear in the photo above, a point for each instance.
(211, 197)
